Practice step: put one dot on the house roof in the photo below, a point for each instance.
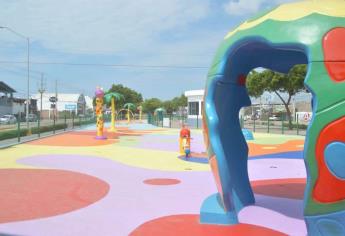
(4, 88)
(191, 93)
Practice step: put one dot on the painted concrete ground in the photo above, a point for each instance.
(133, 183)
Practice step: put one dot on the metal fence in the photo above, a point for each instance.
(275, 126)
(255, 125)
(167, 121)
(20, 131)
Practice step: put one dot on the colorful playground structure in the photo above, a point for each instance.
(99, 113)
(307, 32)
(111, 98)
(159, 115)
(184, 141)
(129, 106)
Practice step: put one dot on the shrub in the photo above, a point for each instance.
(23, 132)
(84, 122)
(294, 126)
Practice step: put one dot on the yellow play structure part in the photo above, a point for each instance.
(294, 11)
(112, 127)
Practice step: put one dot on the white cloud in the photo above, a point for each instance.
(244, 7)
(145, 32)
(102, 25)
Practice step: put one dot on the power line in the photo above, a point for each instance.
(19, 72)
(16, 72)
(204, 53)
(108, 65)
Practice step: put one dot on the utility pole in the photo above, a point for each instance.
(28, 73)
(56, 96)
(41, 90)
(28, 87)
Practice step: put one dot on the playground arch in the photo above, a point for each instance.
(123, 113)
(309, 32)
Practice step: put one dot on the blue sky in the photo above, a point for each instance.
(123, 32)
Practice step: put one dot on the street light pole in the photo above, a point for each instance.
(28, 95)
(28, 72)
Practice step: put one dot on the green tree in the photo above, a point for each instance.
(180, 101)
(130, 95)
(150, 105)
(169, 106)
(278, 83)
(174, 104)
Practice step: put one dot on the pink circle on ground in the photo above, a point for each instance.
(27, 194)
(161, 181)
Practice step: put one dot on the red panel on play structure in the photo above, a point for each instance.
(241, 80)
(334, 50)
(328, 188)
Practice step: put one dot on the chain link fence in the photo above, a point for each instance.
(15, 131)
(166, 120)
(275, 126)
(269, 125)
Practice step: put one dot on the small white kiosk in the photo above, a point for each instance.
(195, 102)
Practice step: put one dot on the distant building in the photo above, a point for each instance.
(78, 104)
(12, 105)
(19, 107)
(195, 100)
(6, 99)
(301, 102)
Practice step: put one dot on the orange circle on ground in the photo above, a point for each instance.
(187, 225)
(27, 194)
(73, 139)
(262, 149)
(87, 138)
(161, 181)
(285, 188)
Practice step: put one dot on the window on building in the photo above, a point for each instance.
(202, 108)
(193, 108)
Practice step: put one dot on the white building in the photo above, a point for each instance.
(73, 103)
(300, 102)
(195, 102)
(89, 103)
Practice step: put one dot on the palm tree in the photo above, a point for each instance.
(110, 98)
(129, 106)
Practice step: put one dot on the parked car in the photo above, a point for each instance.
(246, 117)
(274, 118)
(8, 119)
(32, 117)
